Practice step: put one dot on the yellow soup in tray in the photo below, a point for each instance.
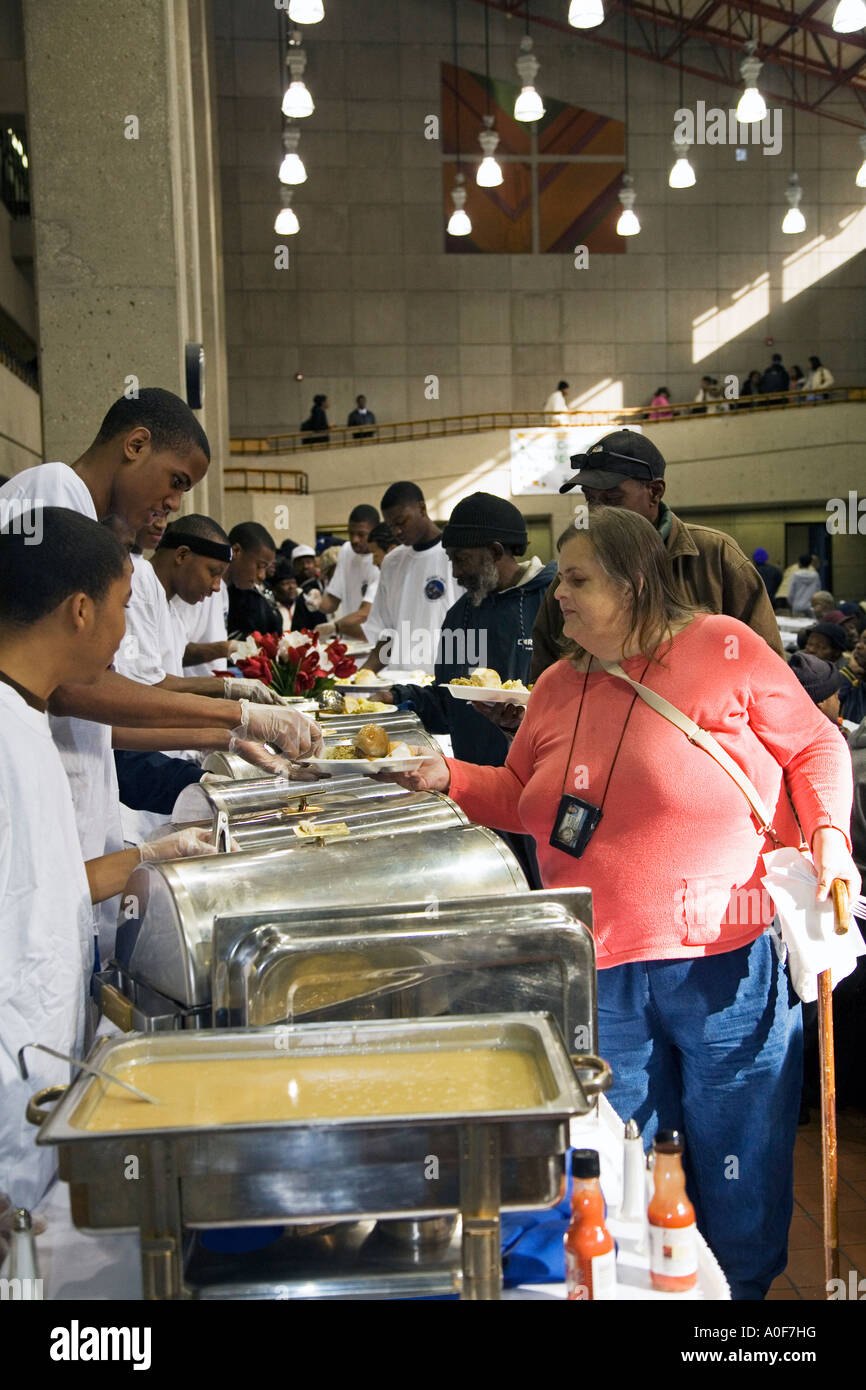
(260, 1089)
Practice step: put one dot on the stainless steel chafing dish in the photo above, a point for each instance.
(238, 799)
(431, 1162)
(165, 930)
(454, 957)
(363, 818)
(402, 726)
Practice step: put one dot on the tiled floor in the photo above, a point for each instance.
(804, 1276)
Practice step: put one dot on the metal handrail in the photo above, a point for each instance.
(237, 479)
(404, 431)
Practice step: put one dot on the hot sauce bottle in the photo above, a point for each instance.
(590, 1254)
(672, 1229)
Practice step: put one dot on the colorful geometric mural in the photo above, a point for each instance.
(565, 176)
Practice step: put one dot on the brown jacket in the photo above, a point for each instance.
(713, 573)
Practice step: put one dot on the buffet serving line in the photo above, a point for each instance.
(355, 1037)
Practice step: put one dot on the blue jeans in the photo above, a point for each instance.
(714, 1047)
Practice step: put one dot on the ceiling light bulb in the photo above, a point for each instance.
(628, 224)
(682, 175)
(751, 106)
(585, 14)
(292, 169)
(489, 173)
(793, 221)
(306, 11)
(458, 223)
(849, 16)
(287, 223)
(528, 106)
(297, 102)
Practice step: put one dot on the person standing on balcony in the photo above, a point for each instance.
(361, 416)
(556, 406)
(775, 378)
(316, 426)
(820, 379)
(660, 405)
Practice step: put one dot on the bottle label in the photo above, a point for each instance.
(674, 1250)
(595, 1279)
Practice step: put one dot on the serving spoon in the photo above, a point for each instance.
(82, 1066)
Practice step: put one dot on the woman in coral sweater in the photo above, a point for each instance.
(694, 1011)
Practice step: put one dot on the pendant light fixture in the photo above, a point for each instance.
(682, 175)
(849, 16)
(793, 221)
(287, 223)
(306, 11)
(292, 168)
(585, 14)
(458, 223)
(297, 102)
(489, 173)
(628, 224)
(751, 106)
(528, 106)
(861, 172)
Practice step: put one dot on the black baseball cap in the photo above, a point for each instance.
(615, 458)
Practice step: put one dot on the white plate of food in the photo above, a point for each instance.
(369, 752)
(490, 694)
(361, 681)
(367, 767)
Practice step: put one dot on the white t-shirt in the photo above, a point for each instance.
(204, 622)
(149, 651)
(355, 580)
(46, 936)
(416, 589)
(83, 744)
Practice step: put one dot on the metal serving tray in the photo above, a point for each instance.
(414, 1165)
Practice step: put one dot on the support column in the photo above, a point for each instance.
(125, 201)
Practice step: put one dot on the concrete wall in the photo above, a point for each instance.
(20, 424)
(746, 473)
(371, 303)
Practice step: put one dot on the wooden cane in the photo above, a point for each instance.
(829, 1154)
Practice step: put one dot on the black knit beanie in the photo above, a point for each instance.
(818, 678)
(482, 519)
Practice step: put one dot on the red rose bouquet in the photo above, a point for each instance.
(296, 664)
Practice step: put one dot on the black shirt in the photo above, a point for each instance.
(250, 611)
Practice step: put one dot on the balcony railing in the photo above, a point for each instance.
(443, 426)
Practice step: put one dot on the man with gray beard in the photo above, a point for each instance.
(490, 625)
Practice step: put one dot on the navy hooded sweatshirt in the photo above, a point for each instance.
(504, 620)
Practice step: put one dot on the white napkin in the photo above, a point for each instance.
(808, 928)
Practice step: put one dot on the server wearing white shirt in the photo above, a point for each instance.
(352, 587)
(61, 618)
(416, 586)
(149, 451)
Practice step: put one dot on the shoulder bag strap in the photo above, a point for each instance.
(695, 734)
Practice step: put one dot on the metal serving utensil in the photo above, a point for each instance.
(82, 1066)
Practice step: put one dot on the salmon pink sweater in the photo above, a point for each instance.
(674, 864)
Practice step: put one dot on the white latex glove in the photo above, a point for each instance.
(181, 844)
(313, 599)
(326, 630)
(274, 764)
(289, 731)
(236, 688)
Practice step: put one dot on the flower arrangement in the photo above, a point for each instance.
(295, 664)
